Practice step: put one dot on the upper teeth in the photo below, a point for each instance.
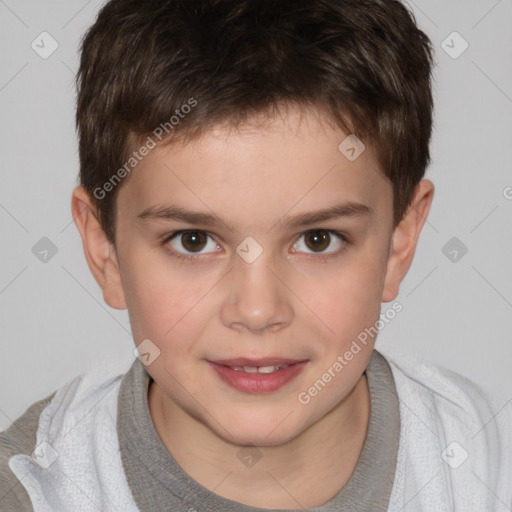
(259, 369)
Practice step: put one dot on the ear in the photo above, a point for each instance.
(405, 238)
(99, 251)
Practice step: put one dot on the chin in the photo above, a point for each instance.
(258, 439)
(263, 433)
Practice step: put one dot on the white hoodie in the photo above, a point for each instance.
(454, 454)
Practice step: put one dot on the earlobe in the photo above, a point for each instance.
(99, 251)
(405, 239)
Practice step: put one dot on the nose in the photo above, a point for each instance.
(258, 300)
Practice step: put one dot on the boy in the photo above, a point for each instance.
(251, 191)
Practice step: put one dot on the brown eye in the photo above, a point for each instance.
(319, 241)
(189, 242)
(193, 241)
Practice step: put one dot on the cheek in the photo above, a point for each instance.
(348, 297)
(159, 299)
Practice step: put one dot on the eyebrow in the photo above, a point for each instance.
(350, 209)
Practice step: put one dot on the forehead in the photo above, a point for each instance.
(293, 162)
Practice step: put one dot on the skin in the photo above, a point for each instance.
(290, 302)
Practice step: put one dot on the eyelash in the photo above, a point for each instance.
(318, 256)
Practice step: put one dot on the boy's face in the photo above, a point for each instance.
(210, 296)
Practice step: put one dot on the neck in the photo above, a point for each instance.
(285, 476)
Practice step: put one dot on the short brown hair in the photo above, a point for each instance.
(364, 63)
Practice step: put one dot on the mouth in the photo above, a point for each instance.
(264, 375)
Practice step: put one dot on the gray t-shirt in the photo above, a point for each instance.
(158, 483)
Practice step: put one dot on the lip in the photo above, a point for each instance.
(264, 361)
(257, 383)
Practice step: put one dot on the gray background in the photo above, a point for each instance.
(456, 314)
